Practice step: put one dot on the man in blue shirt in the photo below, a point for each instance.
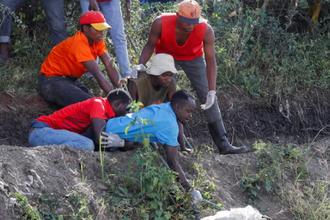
(161, 124)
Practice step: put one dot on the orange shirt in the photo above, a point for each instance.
(66, 58)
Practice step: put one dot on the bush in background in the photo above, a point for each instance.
(268, 54)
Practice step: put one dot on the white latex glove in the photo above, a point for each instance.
(111, 140)
(196, 196)
(135, 70)
(209, 100)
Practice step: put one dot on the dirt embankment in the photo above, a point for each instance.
(58, 169)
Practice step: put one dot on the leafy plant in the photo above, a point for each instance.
(7, 12)
(149, 190)
(49, 205)
(266, 54)
(274, 161)
(29, 211)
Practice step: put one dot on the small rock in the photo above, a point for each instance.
(11, 202)
(64, 211)
(101, 186)
(30, 177)
(65, 158)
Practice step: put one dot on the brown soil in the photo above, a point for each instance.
(57, 170)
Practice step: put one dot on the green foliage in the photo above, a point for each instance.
(30, 44)
(150, 189)
(311, 203)
(141, 20)
(134, 107)
(75, 205)
(266, 54)
(51, 204)
(274, 161)
(16, 18)
(79, 207)
(29, 211)
(282, 170)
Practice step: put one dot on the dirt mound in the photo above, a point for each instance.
(52, 171)
(296, 120)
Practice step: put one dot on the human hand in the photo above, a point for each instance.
(93, 6)
(185, 151)
(196, 196)
(111, 140)
(209, 100)
(135, 70)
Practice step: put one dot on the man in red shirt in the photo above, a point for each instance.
(69, 60)
(67, 126)
(186, 35)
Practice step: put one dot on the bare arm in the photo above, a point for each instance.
(154, 36)
(128, 10)
(211, 66)
(132, 88)
(93, 6)
(97, 124)
(171, 92)
(92, 67)
(111, 71)
(180, 137)
(173, 162)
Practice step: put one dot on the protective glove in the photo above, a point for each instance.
(209, 100)
(135, 70)
(196, 196)
(111, 140)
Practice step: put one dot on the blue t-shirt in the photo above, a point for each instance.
(165, 129)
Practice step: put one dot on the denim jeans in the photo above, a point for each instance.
(54, 10)
(112, 14)
(63, 90)
(49, 136)
(196, 72)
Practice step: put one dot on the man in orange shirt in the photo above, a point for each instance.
(69, 60)
(187, 36)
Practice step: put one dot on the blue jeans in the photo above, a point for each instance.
(112, 14)
(54, 10)
(49, 136)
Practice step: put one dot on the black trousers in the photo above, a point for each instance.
(63, 90)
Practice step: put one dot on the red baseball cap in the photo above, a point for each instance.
(190, 12)
(96, 19)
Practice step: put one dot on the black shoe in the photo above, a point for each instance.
(219, 136)
(233, 150)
